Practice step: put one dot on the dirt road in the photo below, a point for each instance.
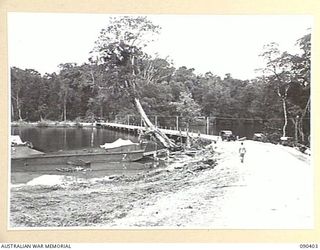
(273, 188)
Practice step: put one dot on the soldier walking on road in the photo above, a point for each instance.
(242, 152)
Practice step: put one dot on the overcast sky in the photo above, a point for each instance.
(220, 44)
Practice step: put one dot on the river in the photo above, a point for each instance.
(50, 139)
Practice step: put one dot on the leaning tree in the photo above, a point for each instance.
(120, 49)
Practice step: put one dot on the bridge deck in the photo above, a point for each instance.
(165, 131)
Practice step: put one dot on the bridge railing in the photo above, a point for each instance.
(201, 125)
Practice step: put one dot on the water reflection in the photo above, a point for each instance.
(55, 139)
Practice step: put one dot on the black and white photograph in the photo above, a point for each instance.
(122, 121)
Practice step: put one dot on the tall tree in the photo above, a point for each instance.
(300, 94)
(278, 68)
(120, 49)
(69, 83)
(26, 94)
(290, 75)
(51, 99)
(17, 87)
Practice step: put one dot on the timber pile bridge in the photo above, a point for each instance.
(168, 132)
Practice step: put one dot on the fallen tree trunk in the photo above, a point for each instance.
(165, 141)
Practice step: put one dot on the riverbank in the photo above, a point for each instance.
(272, 189)
(48, 123)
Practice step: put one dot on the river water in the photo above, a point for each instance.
(50, 139)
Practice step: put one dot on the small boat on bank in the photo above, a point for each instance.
(23, 157)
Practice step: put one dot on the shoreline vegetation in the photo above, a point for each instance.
(47, 123)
